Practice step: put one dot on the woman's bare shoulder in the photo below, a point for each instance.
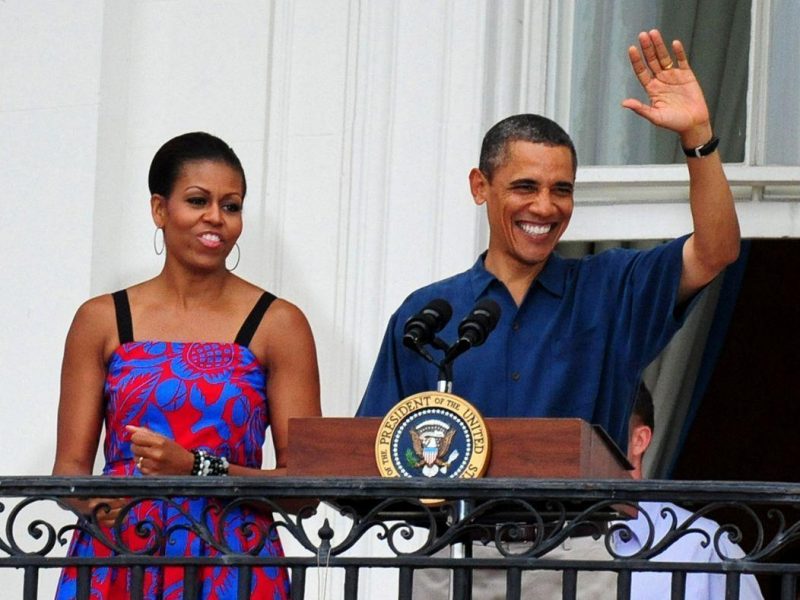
(95, 326)
(283, 326)
(96, 310)
(243, 297)
(284, 315)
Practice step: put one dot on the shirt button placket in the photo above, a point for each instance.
(515, 376)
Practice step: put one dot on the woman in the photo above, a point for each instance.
(180, 391)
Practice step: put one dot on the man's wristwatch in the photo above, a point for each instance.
(703, 149)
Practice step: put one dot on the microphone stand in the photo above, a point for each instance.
(460, 579)
(444, 381)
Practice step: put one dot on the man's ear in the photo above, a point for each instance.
(478, 185)
(158, 209)
(640, 437)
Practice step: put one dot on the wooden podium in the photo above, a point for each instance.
(519, 448)
(537, 448)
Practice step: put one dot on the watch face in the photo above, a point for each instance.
(432, 434)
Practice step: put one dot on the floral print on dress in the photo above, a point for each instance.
(202, 395)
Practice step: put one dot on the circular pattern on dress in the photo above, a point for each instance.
(207, 357)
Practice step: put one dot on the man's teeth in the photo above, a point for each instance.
(532, 229)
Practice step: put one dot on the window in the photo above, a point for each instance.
(782, 106)
(740, 49)
(716, 36)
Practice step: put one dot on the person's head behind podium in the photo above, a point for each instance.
(640, 429)
(526, 178)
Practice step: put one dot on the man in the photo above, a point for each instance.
(664, 516)
(573, 335)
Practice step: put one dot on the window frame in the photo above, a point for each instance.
(767, 195)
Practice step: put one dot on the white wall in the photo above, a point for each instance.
(346, 116)
(49, 91)
(49, 77)
(357, 123)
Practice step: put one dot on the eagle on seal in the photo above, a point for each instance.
(430, 450)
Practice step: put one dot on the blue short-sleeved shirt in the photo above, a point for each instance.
(576, 346)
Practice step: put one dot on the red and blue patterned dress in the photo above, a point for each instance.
(203, 395)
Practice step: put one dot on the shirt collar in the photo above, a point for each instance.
(554, 275)
(640, 527)
(479, 277)
(552, 278)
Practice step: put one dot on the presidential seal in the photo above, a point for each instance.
(432, 434)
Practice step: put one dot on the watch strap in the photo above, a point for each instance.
(703, 149)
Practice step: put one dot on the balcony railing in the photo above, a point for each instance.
(524, 518)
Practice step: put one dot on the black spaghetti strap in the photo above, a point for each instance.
(124, 323)
(252, 321)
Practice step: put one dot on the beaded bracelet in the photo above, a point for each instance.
(206, 464)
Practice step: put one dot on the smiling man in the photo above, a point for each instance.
(526, 179)
(574, 335)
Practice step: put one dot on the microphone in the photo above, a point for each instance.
(475, 327)
(422, 327)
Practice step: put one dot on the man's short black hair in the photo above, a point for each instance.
(643, 406)
(525, 128)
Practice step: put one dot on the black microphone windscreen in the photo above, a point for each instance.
(491, 308)
(422, 327)
(442, 312)
(480, 322)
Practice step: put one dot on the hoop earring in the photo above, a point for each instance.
(238, 257)
(158, 251)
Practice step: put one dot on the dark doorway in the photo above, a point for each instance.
(746, 428)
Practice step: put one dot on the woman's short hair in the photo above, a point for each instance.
(174, 154)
